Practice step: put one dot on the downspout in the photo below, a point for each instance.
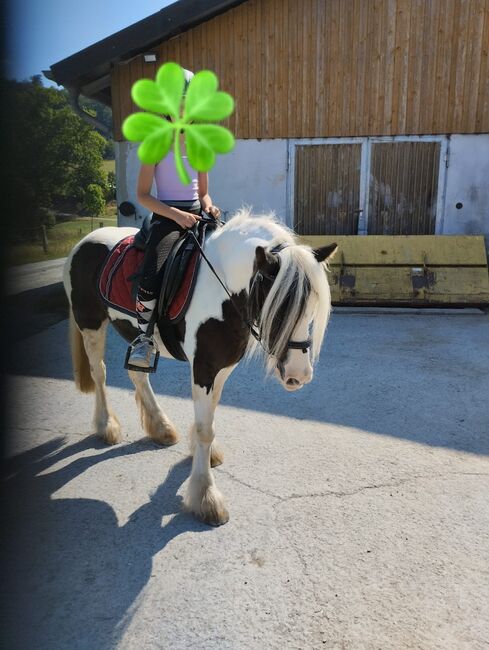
(74, 95)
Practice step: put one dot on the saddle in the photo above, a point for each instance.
(119, 277)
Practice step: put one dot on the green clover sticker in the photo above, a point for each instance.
(189, 113)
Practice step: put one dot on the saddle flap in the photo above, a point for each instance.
(120, 274)
(180, 274)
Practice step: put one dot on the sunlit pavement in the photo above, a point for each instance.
(359, 505)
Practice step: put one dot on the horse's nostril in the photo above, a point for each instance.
(292, 382)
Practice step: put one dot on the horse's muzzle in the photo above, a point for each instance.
(289, 382)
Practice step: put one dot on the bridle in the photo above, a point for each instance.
(252, 326)
(257, 279)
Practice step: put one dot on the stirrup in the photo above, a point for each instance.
(153, 361)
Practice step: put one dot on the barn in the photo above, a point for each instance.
(366, 121)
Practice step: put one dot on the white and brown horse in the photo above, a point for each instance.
(274, 282)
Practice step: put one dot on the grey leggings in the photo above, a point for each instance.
(163, 234)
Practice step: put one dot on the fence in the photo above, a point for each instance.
(38, 233)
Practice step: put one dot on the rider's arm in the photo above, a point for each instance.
(146, 199)
(204, 198)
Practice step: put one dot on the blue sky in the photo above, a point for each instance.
(42, 32)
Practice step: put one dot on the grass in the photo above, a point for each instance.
(111, 210)
(108, 165)
(61, 240)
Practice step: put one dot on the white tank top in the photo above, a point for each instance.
(168, 184)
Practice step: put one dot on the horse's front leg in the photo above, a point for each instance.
(203, 498)
(217, 457)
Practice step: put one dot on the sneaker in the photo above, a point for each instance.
(142, 352)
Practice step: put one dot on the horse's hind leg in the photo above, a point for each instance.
(156, 424)
(106, 423)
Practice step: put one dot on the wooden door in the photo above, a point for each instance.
(327, 189)
(403, 188)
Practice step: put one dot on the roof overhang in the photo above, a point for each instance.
(88, 71)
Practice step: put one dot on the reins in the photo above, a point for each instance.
(248, 323)
(258, 276)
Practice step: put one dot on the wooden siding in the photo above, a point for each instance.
(324, 68)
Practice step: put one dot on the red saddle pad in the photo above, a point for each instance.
(117, 283)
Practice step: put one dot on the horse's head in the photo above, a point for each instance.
(290, 301)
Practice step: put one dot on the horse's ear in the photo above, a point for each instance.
(325, 252)
(265, 261)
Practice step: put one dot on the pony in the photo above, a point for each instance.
(273, 299)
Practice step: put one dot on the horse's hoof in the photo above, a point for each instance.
(217, 518)
(212, 508)
(164, 435)
(209, 508)
(110, 431)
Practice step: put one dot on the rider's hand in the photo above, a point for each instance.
(187, 220)
(214, 211)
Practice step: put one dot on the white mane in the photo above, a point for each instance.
(256, 224)
(300, 275)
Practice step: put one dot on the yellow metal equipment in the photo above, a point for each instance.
(443, 270)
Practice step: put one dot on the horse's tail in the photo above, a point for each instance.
(81, 366)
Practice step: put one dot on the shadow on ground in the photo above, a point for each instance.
(420, 377)
(40, 308)
(80, 540)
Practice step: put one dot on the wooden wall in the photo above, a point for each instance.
(322, 68)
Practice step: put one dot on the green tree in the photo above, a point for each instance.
(94, 200)
(109, 153)
(111, 194)
(52, 153)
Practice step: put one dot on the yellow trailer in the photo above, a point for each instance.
(408, 270)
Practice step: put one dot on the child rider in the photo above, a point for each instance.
(176, 207)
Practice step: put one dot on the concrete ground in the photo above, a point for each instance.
(32, 276)
(359, 506)
(35, 291)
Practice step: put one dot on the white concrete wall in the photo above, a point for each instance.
(126, 170)
(468, 184)
(254, 174)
